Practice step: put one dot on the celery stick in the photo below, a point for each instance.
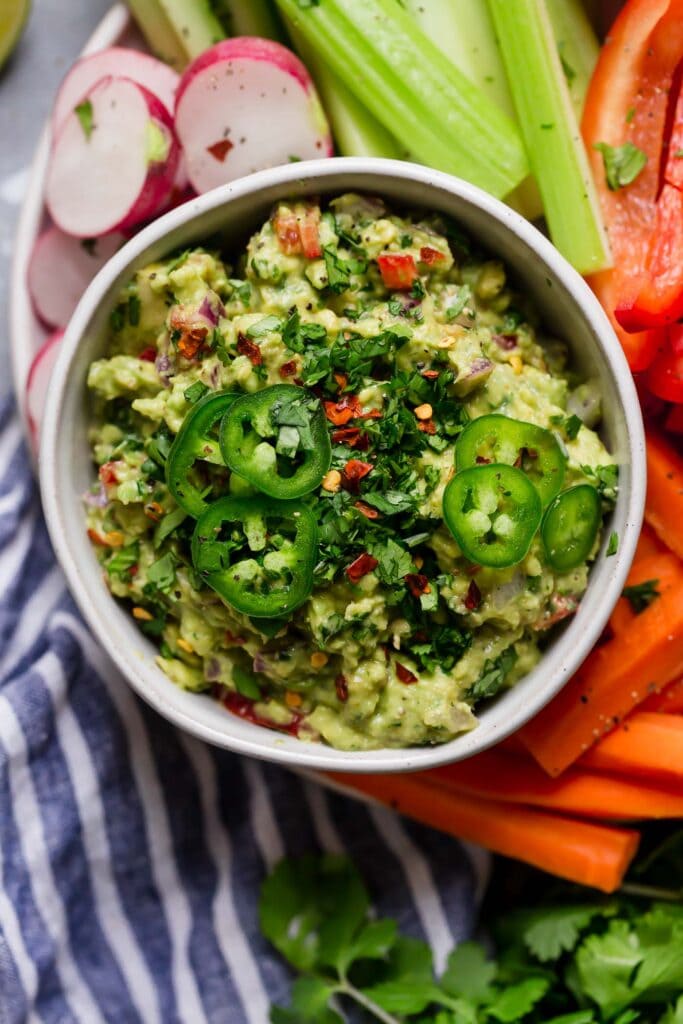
(356, 132)
(551, 133)
(413, 89)
(159, 32)
(578, 46)
(177, 30)
(462, 29)
(249, 18)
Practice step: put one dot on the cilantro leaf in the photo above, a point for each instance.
(572, 426)
(162, 572)
(195, 392)
(469, 973)
(515, 1001)
(605, 965)
(391, 502)
(641, 595)
(613, 544)
(168, 524)
(493, 677)
(310, 1004)
(552, 931)
(123, 559)
(622, 164)
(246, 683)
(338, 270)
(394, 562)
(405, 996)
(264, 326)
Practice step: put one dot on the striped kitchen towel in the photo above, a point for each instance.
(131, 855)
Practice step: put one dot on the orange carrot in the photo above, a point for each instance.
(595, 855)
(668, 702)
(664, 503)
(648, 745)
(615, 678)
(657, 566)
(498, 776)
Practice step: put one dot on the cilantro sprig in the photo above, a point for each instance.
(604, 961)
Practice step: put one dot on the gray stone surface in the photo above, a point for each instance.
(55, 34)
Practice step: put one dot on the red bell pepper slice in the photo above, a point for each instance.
(628, 101)
(398, 270)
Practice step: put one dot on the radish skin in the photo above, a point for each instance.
(114, 62)
(245, 104)
(113, 162)
(60, 269)
(38, 382)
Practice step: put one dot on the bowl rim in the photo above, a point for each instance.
(292, 752)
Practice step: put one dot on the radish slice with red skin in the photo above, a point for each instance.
(38, 383)
(61, 268)
(113, 162)
(115, 62)
(245, 104)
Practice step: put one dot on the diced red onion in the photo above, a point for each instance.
(505, 341)
(98, 500)
(211, 312)
(212, 670)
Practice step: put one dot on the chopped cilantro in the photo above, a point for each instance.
(456, 307)
(170, 522)
(393, 562)
(123, 559)
(84, 113)
(613, 544)
(264, 326)
(641, 595)
(133, 310)
(195, 392)
(162, 572)
(572, 426)
(246, 683)
(494, 675)
(622, 164)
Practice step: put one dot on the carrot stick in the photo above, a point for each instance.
(580, 851)
(499, 776)
(648, 745)
(668, 702)
(615, 678)
(664, 503)
(657, 566)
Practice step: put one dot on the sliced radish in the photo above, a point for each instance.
(245, 104)
(61, 268)
(113, 162)
(119, 62)
(38, 383)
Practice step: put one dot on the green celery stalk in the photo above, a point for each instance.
(551, 133)
(177, 30)
(356, 132)
(413, 89)
(463, 31)
(578, 46)
(249, 18)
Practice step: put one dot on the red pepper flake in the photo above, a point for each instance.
(481, 460)
(233, 638)
(244, 707)
(342, 688)
(219, 150)
(133, 571)
(192, 334)
(473, 569)
(352, 437)
(342, 380)
(405, 675)
(430, 374)
(429, 255)
(288, 369)
(427, 426)
(472, 597)
(148, 355)
(398, 270)
(353, 472)
(364, 564)
(366, 510)
(417, 584)
(107, 473)
(247, 347)
(371, 414)
(341, 412)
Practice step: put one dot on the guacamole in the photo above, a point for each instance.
(346, 481)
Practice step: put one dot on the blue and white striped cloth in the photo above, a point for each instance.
(130, 854)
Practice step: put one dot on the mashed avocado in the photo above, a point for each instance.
(403, 333)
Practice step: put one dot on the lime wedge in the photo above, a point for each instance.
(13, 15)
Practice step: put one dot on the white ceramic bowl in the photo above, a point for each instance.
(568, 308)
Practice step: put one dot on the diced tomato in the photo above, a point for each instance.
(627, 100)
(472, 597)
(417, 583)
(243, 707)
(148, 355)
(665, 376)
(107, 473)
(398, 270)
(288, 369)
(352, 437)
(286, 227)
(309, 231)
